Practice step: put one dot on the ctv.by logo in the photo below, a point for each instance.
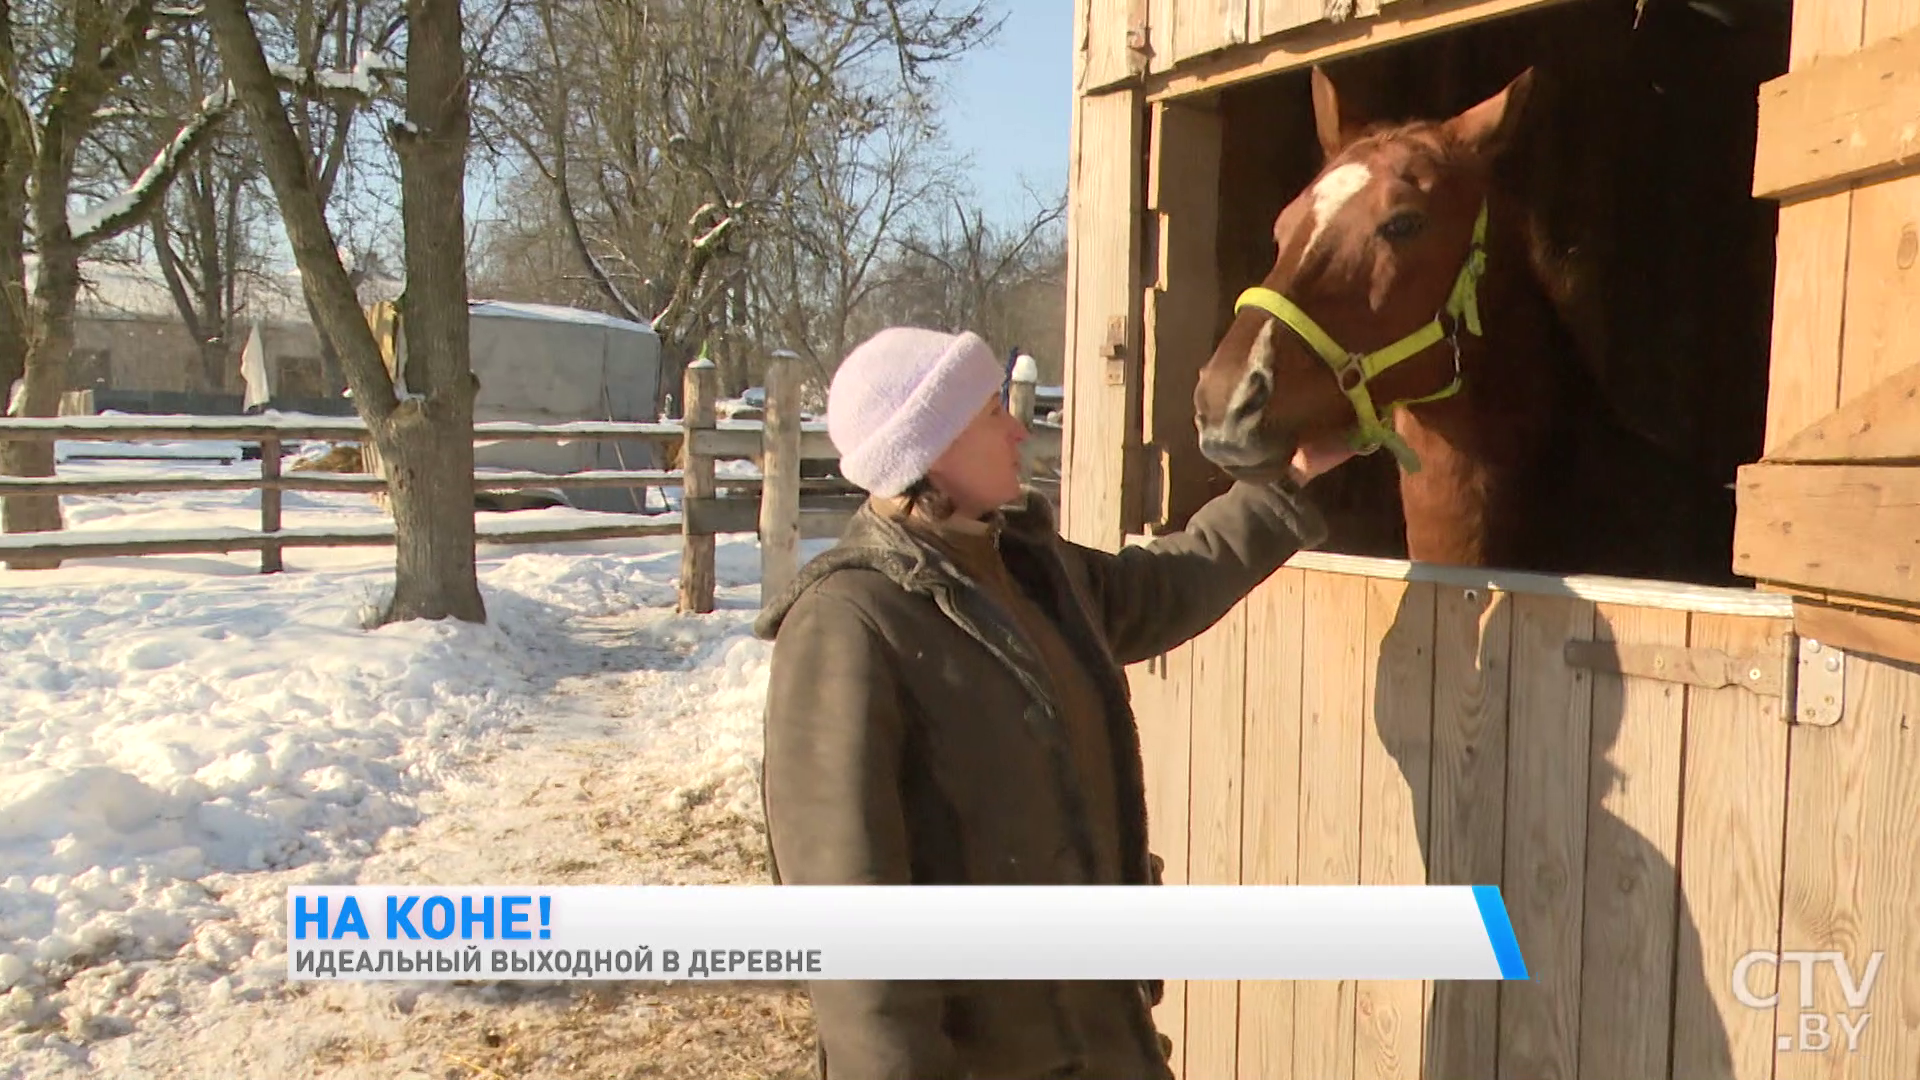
(1813, 1030)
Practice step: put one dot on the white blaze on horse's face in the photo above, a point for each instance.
(1234, 438)
(1333, 192)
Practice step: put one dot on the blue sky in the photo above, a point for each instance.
(1010, 105)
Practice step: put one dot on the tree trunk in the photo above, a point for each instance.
(55, 291)
(433, 488)
(426, 440)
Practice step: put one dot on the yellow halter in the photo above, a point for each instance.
(1355, 370)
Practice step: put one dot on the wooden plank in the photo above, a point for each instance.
(270, 562)
(1269, 17)
(1396, 760)
(1270, 830)
(1545, 880)
(1213, 831)
(1163, 708)
(744, 444)
(1626, 967)
(1848, 118)
(1466, 834)
(1204, 26)
(1880, 425)
(1105, 42)
(779, 524)
(1735, 781)
(1810, 291)
(1810, 266)
(78, 544)
(699, 390)
(1182, 301)
(1869, 632)
(344, 429)
(1614, 590)
(1851, 853)
(1885, 18)
(1854, 528)
(1103, 239)
(1323, 40)
(1883, 285)
(1333, 711)
(1163, 16)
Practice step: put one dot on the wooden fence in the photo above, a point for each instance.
(780, 505)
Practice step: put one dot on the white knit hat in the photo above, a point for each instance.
(900, 399)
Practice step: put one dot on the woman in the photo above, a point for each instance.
(947, 704)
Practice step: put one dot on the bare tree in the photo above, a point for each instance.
(421, 417)
(855, 192)
(207, 234)
(84, 50)
(671, 135)
(1004, 281)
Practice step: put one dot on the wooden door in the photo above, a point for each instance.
(1831, 515)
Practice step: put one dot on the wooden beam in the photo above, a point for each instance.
(1101, 489)
(1320, 41)
(1852, 528)
(1840, 120)
(1881, 425)
(1111, 43)
(1180, 303)
(1889, 636)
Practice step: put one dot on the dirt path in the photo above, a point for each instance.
(596, 791)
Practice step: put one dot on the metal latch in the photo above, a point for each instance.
(1820, 694)
(1115, 351)
(1763, 673)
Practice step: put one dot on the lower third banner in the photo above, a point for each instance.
(769, 932)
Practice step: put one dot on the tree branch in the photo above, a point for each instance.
(136, 204)
(290, 171)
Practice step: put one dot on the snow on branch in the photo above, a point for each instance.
(125, 210)
(714, 235)
(357, 82)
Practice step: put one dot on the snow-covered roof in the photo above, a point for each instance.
(554, 313)
(121, 289)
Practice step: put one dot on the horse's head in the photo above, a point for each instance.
(1374, 280)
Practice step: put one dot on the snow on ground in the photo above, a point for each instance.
(182, 738)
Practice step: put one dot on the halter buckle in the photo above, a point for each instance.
(1353, 376)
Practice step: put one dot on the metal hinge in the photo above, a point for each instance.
(1764, 673)
(1812, 688)
(1820, 687)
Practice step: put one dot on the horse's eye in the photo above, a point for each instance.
(1402, 225)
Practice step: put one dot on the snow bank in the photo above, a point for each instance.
(183, 739)
(160, 742)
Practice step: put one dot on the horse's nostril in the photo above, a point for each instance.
(1259, 391)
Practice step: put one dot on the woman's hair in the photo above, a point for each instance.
(927, 501)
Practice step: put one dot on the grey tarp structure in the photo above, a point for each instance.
(538, 364)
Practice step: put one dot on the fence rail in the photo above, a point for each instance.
(781, 505)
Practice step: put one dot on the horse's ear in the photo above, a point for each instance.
(1333, 120)
(1488, 128)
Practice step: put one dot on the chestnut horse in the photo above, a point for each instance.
(1406, 310)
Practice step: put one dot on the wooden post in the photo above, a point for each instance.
(1020, 394)
(696, 552)
(780, 478)
(269, 505)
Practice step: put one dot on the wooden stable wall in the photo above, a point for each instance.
(1349, 726)
(1346, 724)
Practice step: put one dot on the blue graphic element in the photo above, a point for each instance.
(1506, 948)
